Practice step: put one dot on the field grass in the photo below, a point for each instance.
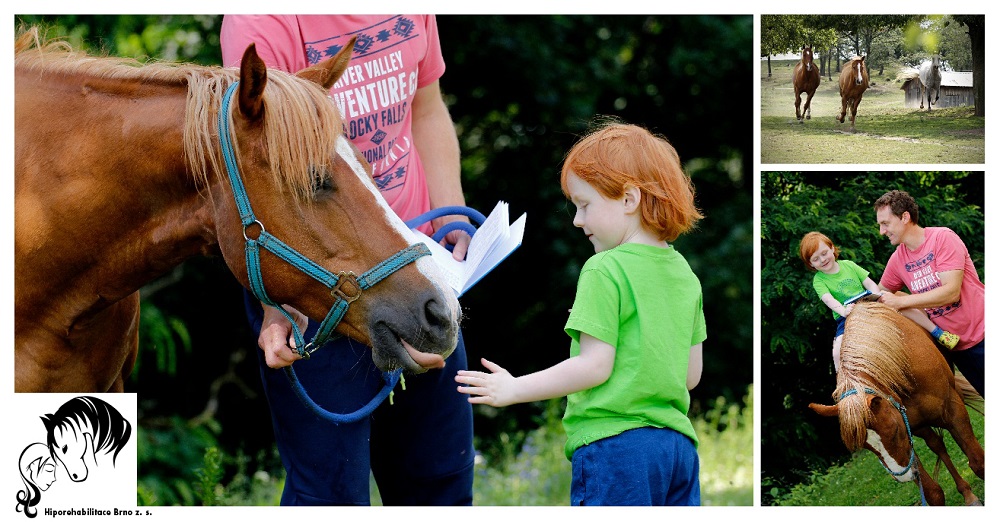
(886, 131)
(863, 482)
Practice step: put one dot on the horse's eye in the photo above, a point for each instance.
(322, 182)
(65, 448)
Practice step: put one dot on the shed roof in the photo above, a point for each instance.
(949, 79)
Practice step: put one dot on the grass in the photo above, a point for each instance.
(863, 482)
(886, 131)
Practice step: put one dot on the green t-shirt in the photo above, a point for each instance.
(845, 284)
(647, 303)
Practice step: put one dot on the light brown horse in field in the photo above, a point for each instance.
(853, 83)
(119, 177)
(805, 79)
(894, 383)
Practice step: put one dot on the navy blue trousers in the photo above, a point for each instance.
(419, 448)
(971, 362)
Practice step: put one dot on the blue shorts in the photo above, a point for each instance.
(840, 327)
(638, 467)
(971, 362)
(419, 448)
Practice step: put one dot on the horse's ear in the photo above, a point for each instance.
(327, 72)
(253, 78)
(824, 410)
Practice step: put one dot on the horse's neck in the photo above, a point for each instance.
(102, 191)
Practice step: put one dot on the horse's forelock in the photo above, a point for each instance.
(301, 126)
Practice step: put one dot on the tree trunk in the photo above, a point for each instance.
(977, 35)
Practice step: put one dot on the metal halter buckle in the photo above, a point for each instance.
(347, 287)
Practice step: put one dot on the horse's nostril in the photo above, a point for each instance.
(437, 315)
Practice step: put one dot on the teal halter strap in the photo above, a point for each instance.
(345, 287)
(906, 420)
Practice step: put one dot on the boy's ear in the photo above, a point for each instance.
(632, 198)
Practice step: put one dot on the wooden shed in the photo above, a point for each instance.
(956, 90)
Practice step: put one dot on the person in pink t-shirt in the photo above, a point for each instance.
(419, 449)
(935, 267)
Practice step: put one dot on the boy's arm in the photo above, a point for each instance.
(871, 286)
(694, 367)
(834, 305)
(499, 388)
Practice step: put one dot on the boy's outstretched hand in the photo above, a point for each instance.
(496, 388)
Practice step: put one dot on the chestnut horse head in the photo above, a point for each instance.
(805, 79)
(120, 176)
(894, 384)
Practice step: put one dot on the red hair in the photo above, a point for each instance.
(617, 156)
(810, 243)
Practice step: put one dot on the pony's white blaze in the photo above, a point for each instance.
(857, 67)
(425, 264)
(890, 463)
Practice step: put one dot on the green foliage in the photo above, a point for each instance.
(163, 339)
(167, 452)
(208, 476)
(796, 330)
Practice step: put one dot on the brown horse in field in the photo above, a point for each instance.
(894, 383)
(120, 176)
(805, 79)
(853, 83)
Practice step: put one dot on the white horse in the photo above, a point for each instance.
(930, 79)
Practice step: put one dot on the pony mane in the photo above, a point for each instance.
(109, 429)
(872, 355)
(301, 123)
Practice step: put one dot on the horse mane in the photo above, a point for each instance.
(109, 429)
(873, 355)
(301, 123)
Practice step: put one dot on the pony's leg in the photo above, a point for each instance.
(843, 109)
(798, 101)
(808, 110)
(936, 444)
(961, 430)
(922, 96)
(929, 488)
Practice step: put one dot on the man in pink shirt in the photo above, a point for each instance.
(935, 267)
(420, 448)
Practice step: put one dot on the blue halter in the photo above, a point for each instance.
(909, 435)
(345, 287)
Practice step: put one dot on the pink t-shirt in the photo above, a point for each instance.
(393, 57)
(941, 251)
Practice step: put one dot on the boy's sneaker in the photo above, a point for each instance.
(948, 339)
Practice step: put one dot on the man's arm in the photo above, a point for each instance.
(436, 142)
(946, 294)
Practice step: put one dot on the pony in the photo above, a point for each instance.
(805, 79)
(80, 429)
(37, 467)
(893, 384)
(120, 174)
(853, 83)
(930, 80)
